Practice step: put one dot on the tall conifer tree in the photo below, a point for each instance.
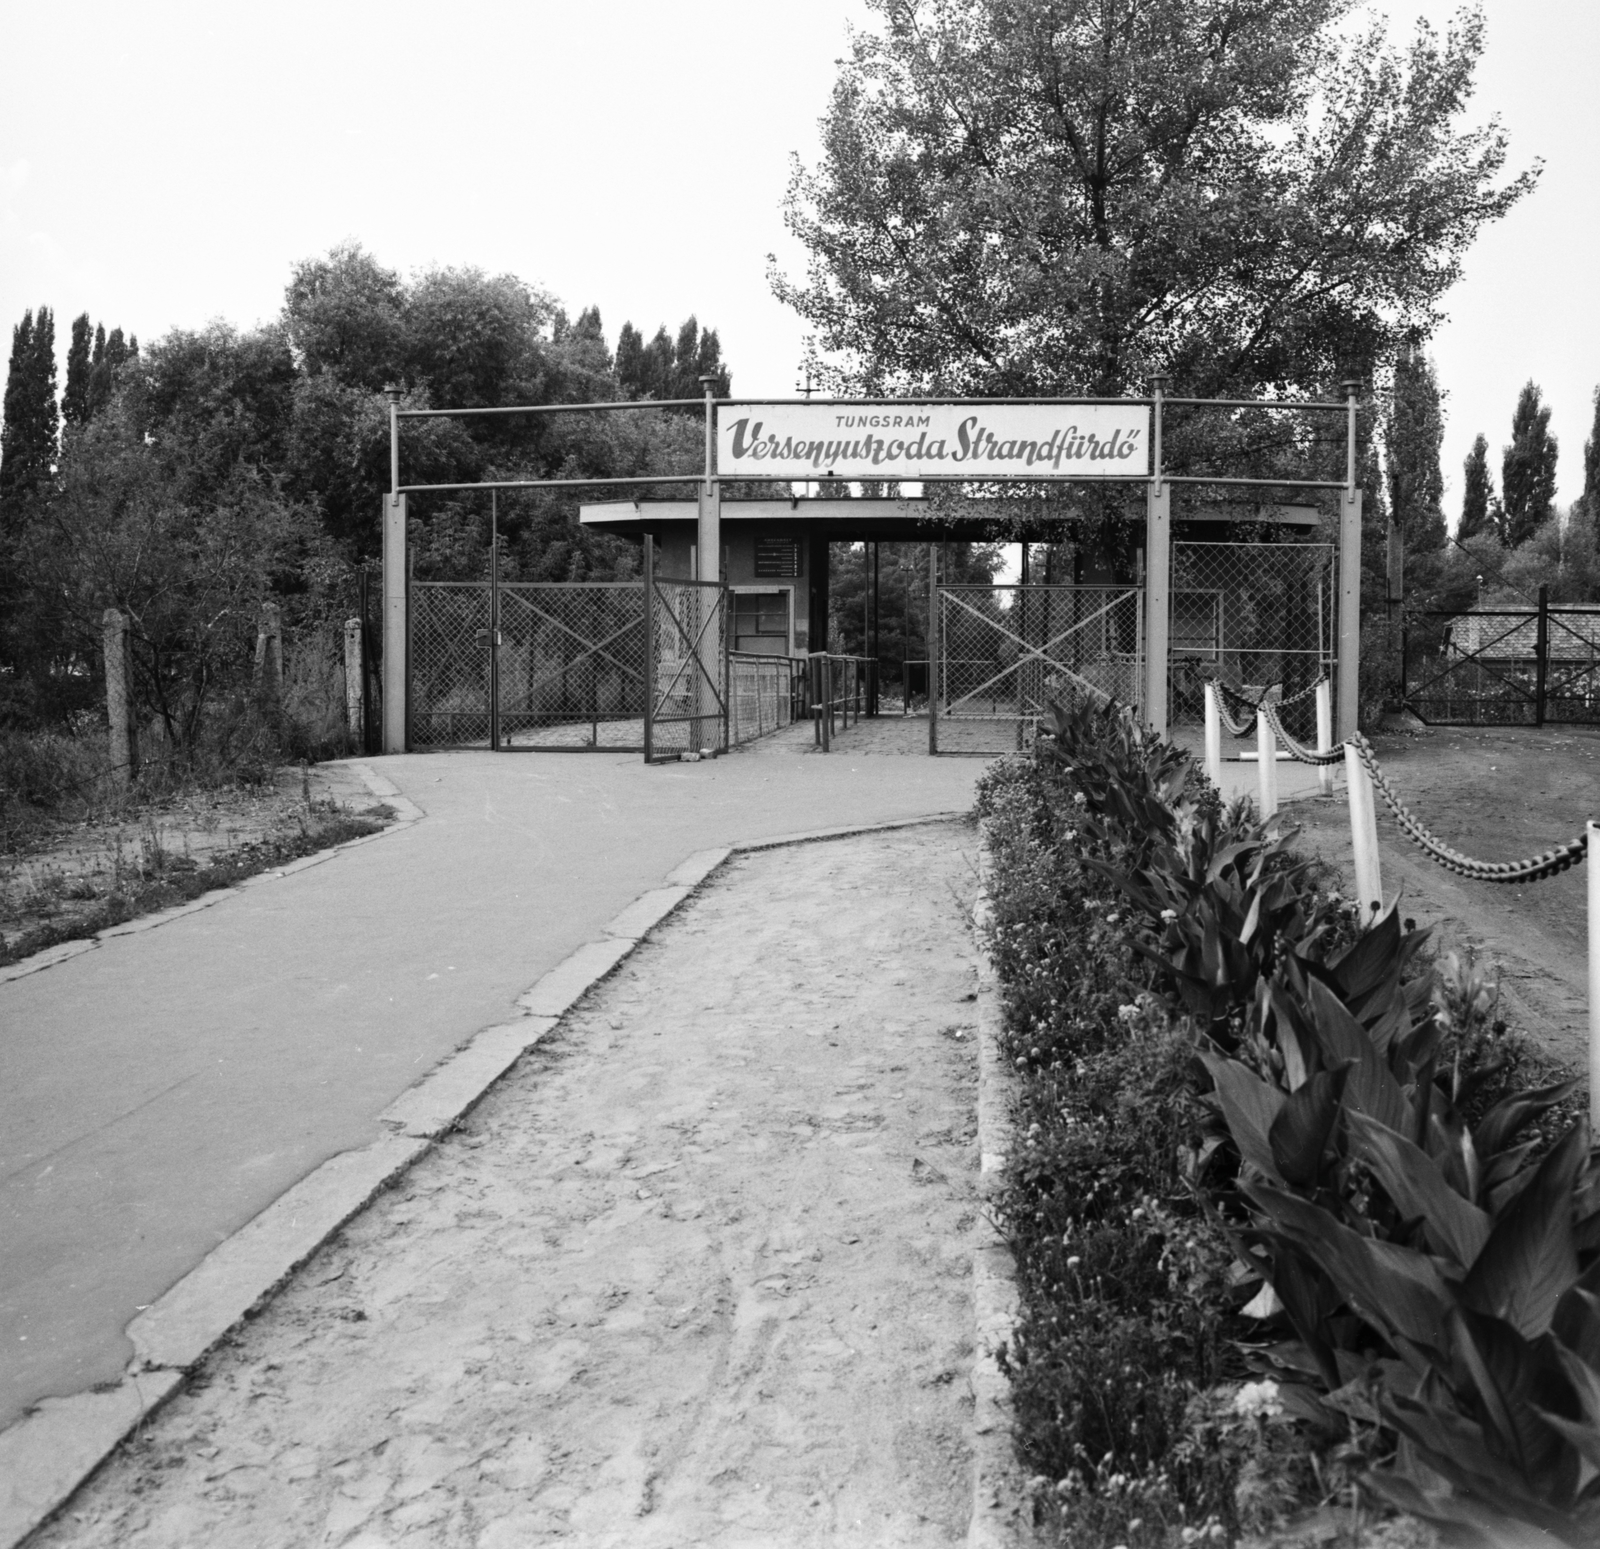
(28, 437)
(1527, 470)
(1476, 492)
(1591, 468)
(75, 408)
(1413, 435)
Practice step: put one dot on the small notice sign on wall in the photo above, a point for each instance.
(1024, 441)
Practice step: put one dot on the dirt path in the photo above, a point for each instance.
(696, 1272)
(1497, 795)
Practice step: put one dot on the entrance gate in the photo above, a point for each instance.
(565, 670)
(1005, 652)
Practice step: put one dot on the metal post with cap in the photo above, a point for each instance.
(1349, 665)
(1157, 572)
(395, 622)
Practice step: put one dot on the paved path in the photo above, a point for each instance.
(158, 1092)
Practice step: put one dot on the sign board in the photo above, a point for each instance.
(1026, 441)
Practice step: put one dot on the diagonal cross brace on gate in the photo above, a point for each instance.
(694, 656)
(1032, 652)
(590, 647)
(1474, 658)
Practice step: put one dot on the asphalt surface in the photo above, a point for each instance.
(158, 1092)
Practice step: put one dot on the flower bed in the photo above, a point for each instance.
(1295, 1241)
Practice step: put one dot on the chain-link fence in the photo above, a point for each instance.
(686, 704)
(762, 695)
(571, 670)
(1005, 652)
(1259, 617)
(450, 667)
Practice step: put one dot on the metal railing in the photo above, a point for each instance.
(840, 690)
(763, 694)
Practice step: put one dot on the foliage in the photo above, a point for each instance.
(1478, 504)
(31, 420)
(1527, 470)
(664, 369)
(1055, 197)
(1413, 434)
(1591, 470)
(1368, 1184)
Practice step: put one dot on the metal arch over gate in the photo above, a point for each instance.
(986, 442)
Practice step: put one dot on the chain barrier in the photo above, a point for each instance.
(1534, 869)
(1297, 750)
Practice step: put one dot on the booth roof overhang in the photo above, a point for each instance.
(899, 520)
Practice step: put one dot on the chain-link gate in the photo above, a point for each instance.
(1005, 652)
(686, 705)
(568, 674)
(762, 694)
(450, 665)
(1257, 616)
(572, 668)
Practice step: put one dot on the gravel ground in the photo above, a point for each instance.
(696, 1272)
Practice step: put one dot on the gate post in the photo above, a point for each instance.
(708, 564)
(1541, 658)
(1157, 575)
(1349, 667)
(355, 686)
(395, 624)
(933, 648)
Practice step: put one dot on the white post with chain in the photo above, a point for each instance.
(1592, 862)
(1363, 835)
(1266, 766)
(1213, 737)
(1325, 734)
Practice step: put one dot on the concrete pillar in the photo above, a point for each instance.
(124, 747)
(817, 591)
(269, 654)
(1349, 665)
(396, 625)
(354, 680)
(1157, 602)
(706, 727)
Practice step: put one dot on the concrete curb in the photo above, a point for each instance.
(407, 812)
(46, 1456)
(998, 1520)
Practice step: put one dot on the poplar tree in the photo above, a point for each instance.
(1527, 470)
(1591, 468)
(28, 441)
(1476, 491)
(1413, 435)
(75, 409)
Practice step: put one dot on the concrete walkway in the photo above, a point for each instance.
(158, 1092)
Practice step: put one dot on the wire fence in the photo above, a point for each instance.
(686, 702)
(450, 666)
(1258, 618)
(763, 692)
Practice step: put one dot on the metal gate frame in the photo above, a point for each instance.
(1026, 714)
(686, 664)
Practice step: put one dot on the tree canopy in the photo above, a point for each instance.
(1058, 196)
(1527, 470)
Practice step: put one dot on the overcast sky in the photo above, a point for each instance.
(164, 162)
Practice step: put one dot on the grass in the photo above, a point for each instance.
(159, 880)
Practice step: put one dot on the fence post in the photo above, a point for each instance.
(1363, 835)
(354, 682)
(1266, 766)
(1213, 736)
(269, 654)
(933, 648)
(649, 644)
(396, 630)
(1541, 658)
(1592, 862)
(1157, 581)
(119, 699)
(1325, 734)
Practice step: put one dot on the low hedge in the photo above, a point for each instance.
(1235, 1102)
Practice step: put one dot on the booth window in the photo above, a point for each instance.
(761, 622)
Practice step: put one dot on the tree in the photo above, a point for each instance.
(75, 407)
(346, 314)
(1527, 470)
(665, 368)
(28, 436)
(1031, 196)
(110, 355)
(1591, 469)
(1477, 491)
(1412, 438)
